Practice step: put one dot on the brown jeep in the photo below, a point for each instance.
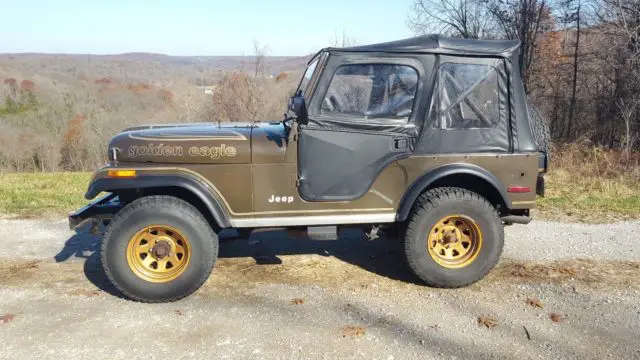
(429, 138)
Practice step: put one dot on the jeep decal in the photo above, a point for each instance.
(281, 199)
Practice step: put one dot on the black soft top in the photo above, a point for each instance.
(440, 45)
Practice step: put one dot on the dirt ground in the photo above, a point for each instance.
(562, 291)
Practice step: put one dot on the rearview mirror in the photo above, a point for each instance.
(299, 107)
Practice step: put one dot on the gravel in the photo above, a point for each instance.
(546, 240)
(539, 240)
(357, 301)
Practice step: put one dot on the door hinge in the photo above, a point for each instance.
(295, 180)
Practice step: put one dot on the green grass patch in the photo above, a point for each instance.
(592, 199)
(42, 194)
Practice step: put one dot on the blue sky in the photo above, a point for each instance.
(195, 27)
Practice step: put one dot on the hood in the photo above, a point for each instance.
(203, 143)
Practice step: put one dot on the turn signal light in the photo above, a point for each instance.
(518, 189)
(121, 173)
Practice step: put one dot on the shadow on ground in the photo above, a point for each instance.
(381, 256)
(84, 245)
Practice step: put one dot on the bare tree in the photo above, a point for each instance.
(572, 15)
(468, 19)
(524, 20)
(627, 112)
(476, 19)
(622, 19)
(342, 40)
(261, 53)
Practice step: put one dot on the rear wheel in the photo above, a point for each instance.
(158, 249)
(454, 237)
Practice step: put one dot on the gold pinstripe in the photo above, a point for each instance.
(236, 136)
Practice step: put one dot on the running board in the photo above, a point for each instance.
(322, 233)
(313, 220)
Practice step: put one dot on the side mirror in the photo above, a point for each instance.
(299, 107)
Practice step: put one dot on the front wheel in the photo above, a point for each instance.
(158, 249)
(454, 237)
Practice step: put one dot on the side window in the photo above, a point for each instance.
(466, 97)
(372, 91)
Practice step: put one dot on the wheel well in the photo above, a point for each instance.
(472, 183)
(175, 191)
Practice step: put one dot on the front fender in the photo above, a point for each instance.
(146, 181)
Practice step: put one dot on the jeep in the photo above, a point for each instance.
(427, 139)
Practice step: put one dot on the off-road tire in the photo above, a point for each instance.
(152, 210)
(432, 206)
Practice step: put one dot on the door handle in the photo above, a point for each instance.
(400, 144)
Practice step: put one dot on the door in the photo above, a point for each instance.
(359, 123)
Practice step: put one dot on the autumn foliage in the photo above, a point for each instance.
(27, 85)
(73, 152)
(45, 128)
(282, 77)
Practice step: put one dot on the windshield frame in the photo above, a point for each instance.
(319, 59)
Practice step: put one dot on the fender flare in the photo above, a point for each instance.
(210, 199)
(424, 181)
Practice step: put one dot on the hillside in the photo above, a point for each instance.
(135, 67)
(58, 111)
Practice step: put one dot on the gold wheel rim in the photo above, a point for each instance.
(158, 253)
(454, 241)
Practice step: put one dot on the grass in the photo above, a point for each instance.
(592, 184)
(42, 194)
(589, 199)
(588, 185)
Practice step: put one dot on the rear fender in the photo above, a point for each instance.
(423, 183)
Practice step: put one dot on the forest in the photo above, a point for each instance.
(580, 59)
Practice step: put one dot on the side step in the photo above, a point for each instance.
(322, 233)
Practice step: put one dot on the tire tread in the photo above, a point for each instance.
(427, 202)
(167, 201)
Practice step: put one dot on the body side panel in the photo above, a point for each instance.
(230, 184)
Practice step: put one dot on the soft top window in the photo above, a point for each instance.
(466, 97)
(308, 74)
(372, 91)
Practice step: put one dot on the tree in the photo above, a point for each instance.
(342, 40)
(622, 19)
(524, 20)
(627, 111)
(261, 53)
(467, 19)
(572, 15)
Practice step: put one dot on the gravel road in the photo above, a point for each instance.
(273, 297)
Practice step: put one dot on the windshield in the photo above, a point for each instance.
(308, 74)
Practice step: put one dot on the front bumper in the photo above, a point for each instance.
(102, 208)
